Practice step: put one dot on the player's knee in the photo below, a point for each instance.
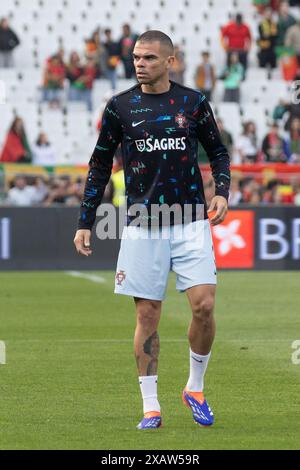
(203, 309)
(148, 314)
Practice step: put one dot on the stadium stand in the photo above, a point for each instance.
(45, 26)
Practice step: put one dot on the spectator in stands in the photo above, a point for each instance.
(91, 44)
(81, 80)
(225, 136)
(94, 49)
(54, 78)
(32, 190)
(178, 67)
(61, 55)
(294, 141)
(268, 35)
(87, 80)
(275, 5)
(247, 145)
(205, 77)
(249, 187)
(292, 39)
(43, 152)
(113, 58)
(297, 195)
(235, 194)
(8, 42)
(21, 194)
(74, 70)
(287, 111)
(63, 191)
(256, 197)
(237, 37)
(285, 21)
(269, 192)
(127, 42)
(41, 190)
(16, 148)
(293, 110)
(274, 146)
(279, 110)
(261, 5)
(284, 193)
(59, 191)
(233, 76)
(76, 192)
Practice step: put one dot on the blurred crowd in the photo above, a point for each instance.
(38, 190)
(278, 34)
(276, 146)
(251, 190)
(27, 190)
(72, 78)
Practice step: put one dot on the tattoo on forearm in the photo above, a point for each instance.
(152, 347)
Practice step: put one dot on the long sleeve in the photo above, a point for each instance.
(100, 165)
(209, 136)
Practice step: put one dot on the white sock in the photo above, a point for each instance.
(148, 386)
(198, 365)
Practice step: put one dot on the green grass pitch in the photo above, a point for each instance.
(70, 380)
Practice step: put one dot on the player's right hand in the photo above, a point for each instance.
(82, 242)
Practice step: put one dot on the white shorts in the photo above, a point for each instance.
(144, 263)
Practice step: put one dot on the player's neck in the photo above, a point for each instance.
(162, 86)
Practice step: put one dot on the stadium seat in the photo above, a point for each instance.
(46, 25)
(230, 113)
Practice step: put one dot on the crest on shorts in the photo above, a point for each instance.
(181, 120)
(120, 277)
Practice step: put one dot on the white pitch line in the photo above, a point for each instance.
(100, 340)
(88, 277)
(129, 340)
(2, 353)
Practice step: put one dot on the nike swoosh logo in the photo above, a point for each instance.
(196, 359)
(134, 124)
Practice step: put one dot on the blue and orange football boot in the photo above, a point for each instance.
(151, 420)
(201, 411)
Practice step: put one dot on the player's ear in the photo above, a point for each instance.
(171, 59)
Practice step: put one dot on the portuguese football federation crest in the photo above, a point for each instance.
(120, 277)
(181, 120)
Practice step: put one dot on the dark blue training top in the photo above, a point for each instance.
(159, 134)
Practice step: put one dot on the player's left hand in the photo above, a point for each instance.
(220, 205)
